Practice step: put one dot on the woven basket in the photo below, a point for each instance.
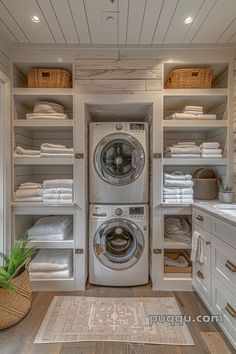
(50, 78)
(205, 188)
(190, 78)
(15, 305)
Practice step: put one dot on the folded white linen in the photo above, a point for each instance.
(206, 116)
(178, 196)
(210, 145)
(46, 154)
(177, 175)
(182, 155)
(58, 201)
(180, 262)
(52, 146)
(177, 191)
(58, 196)
(21, 151)
(211, 151)
(29, 199)
(31, 184)
(184, 150)
(174, 201)
(51, 260)
(68, 233)
(193, 108)
(61, 274)
(15, 155)
(24, 187)
(56, 149)
(185, 143)
(46, 116)
(58, 190)
(57, 183)
(191, 116)
(49, 225)
(193, 112)
(177, 226)
(211, 155)
(174, 183)
(48, 107)
(24, 193)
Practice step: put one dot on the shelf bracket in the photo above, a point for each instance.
(157, 155)
(157, 251)
(79, 155)
(79, 251)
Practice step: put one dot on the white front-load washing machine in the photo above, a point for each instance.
(118, 162)
(118, 245)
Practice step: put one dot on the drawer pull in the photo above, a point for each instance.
(230, 266)
(208, 242)
(230, 310)
(200, 218)
(200, 275)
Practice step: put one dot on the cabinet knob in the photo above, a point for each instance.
(200, 218)
(230, 310)
(230, 266)
(200, 275)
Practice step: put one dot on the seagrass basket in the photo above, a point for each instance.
(49, 78)
(184, 78)
(16, 304)
(205, 184)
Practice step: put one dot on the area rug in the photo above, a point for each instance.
(79, 319)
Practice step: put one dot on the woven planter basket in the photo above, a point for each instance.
(49, 78)
(15, 305)
(190, 78)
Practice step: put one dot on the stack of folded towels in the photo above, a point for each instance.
(51, 264)
(29, 192)
(192, 112)
(47, 110)
(177, 229)
(180, 262)
(211, 149)
(178, 188)
(52, 228)
(46, 150)
(58, 191)
(183, 149)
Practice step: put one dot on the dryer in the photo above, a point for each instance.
(118, 245)
(118, 163)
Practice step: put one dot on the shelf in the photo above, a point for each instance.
(168, 244)
(195, 161)
(196, 92)
(34, 124)
(43, 161)
(178, 276)
(188, 125)
(42, 209)
(65, 244)
(25, 91)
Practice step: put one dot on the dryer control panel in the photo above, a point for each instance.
(126, 211)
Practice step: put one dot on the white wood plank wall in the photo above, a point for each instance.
(5, 61)
(234, 131)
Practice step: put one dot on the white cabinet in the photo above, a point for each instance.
(202, 219)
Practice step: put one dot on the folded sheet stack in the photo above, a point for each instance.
(211, 149)
(183, 149)
(22, 152)
(54, 150)
(47, 110)
(51, 264)
(29, 192)
(51, 228)
(177, 229)
(192, 112)
(178, 188)
(58, 191)
(180, 262)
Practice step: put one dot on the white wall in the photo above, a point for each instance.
(5, 60)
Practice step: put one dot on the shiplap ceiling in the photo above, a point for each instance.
(118, 22)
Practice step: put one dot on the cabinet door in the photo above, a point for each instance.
(224, 304)
(224, 231)
(202, 219)
(224, 263)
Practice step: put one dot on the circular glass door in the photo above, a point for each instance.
(119, 159)
(118, 244)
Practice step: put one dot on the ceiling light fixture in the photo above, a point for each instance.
(35, 19)
(188, 20)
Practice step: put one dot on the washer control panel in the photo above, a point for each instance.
(119, 211)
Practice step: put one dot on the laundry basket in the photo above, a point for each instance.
(205, 184)
(190, 78)
(16, 304)
(49, 78)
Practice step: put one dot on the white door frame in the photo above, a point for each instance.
(5, 164)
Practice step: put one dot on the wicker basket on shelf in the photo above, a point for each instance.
(16, 304)
(205, 186)
(183, 78)
(49, 78)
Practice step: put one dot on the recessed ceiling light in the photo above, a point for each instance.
(110, 19)
(188, 20)
(35, 19)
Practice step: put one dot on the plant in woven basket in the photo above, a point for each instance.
(20, 253)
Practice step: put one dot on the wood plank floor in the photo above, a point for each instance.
(208, 337)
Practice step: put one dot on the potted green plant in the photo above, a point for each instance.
(15, 289)
(226, 194)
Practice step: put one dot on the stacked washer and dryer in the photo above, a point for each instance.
(118, 214)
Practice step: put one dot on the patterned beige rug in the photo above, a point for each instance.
(79, 319)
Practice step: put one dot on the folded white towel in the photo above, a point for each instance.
(58, 196)
(193, 108)
(182, 155)
(25, 187)
(58, 201)
(174, 201)
(46, 116)
(178, 196)
(48, 107)
(49, 225)
(21, 151)
(51, 260)
(61, 274)
(191, 116)
(174, 183)
(210, 145)
(180, 262)
(31, 184)
(52, 146)
(198, 248)
(29, 199)
(58, 191)
(211, 155)
(177, 191)
(56, 149)
(24, 193)
(46, 154)
(191, 143)
(185, 150)
(197, 112)
(211, 151)
(15, 155)
(58, 183)
(177, 175)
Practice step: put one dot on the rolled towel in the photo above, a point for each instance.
(210, 145)
(21, 151)
(58, 183)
